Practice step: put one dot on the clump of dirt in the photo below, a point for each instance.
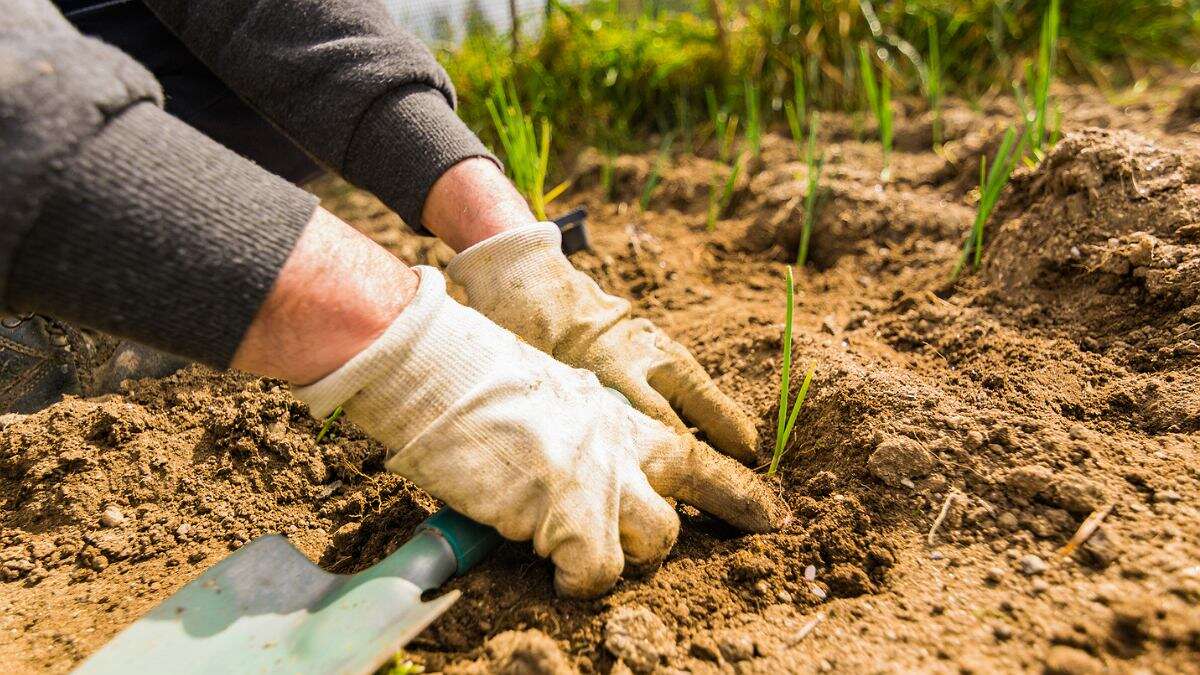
(956, 437)
(1106, 233)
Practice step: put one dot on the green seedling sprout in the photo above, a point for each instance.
(991, 183)
(787, 421)
(1042, 124)
(328, 424)
(754, 122)
(664, 153)
(719, 200)
(879, 100)
(401, 665)
(606, 175)
(935, 83)
(815, 164)
(528, 155)
(724, 126)
(799, 94)
(1047, 58)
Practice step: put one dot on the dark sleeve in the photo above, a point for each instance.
(116, 215)
(157, 233)
(339, 77)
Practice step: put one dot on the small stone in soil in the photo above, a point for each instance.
(900, 459)
(1064, 660)
(112, 517)
(736, 646)
(705, 649)
(1031, 565)
(810, 572)
(638, 637)
(995, 574)
(1167, 496)
(1002, 632)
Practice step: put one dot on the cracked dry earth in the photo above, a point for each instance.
(955, 438)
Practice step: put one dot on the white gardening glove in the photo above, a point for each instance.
(521, 280)
(516, 440)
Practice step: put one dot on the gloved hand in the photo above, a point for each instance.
(521, 280)
(516, 440)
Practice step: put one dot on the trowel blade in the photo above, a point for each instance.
(266, 608)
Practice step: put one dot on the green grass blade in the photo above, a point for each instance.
(785, 372)
(753, 118)
(799, 93)
(935, 82)
(652, 181)
(333, 417)
(794, 125)
(796, 405)
(867, 73)
(815, 166)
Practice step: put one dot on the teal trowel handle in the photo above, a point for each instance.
(445, 545)
(469, 540)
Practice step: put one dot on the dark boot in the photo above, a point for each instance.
(43, 359)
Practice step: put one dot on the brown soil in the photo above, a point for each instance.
(1060, 380)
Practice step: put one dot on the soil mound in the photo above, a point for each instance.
(1106, 233)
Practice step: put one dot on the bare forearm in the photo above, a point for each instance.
(471, 202)
(335, 295)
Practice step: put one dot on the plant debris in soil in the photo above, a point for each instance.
(955, 439)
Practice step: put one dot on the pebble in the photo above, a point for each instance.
(819, 592)
(1064, 660)
(1167, 496)
(936, 555)
(736, 646)
(783, 596)
(638, 637)
(898, 460)
(705, 649)
(1031, 565)
(112, 517)
(1039, 586)
(810, 573)
(1002, 632)
(995, 574)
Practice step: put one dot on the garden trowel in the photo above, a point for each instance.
(267, 609)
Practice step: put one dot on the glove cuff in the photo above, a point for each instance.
(532, 253)
(428, 337)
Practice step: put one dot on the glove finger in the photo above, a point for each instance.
(694, 473)
(649, 525)
(683, 381)
(646, 399)
(588, 563)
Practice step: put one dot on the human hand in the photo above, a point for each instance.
(521, 280)
(516, 440)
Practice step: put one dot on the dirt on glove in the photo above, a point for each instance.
(956, 435)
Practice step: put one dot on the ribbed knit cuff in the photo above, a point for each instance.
(157, 233)
(403, 144)
(434, 337)
(531, 253)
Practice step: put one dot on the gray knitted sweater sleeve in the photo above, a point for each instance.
(348, 85)
(116, 215)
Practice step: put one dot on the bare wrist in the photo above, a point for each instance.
(473, 201)
(337, 292)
